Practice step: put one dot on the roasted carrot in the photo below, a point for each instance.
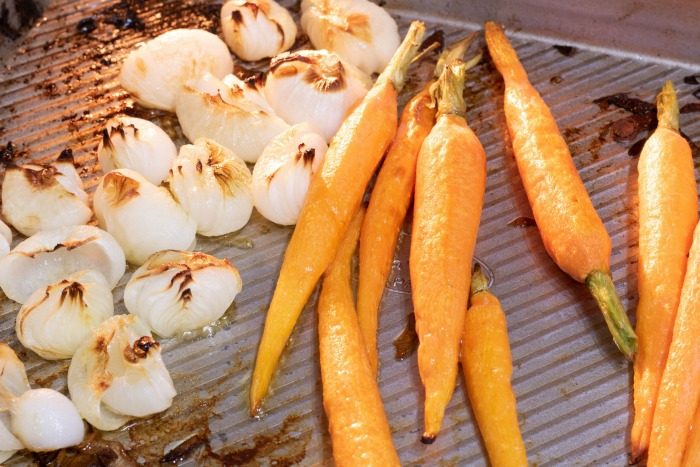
(691, 457)
(334, 195)
(572, 233)
(387, 208)
(359, 428)
(668, 200)
(679, 391)
(449, 192)
(488, 367)
(389, 202)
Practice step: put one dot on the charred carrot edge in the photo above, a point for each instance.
(488, 368)
(667, 215)
(334, 195)
(572, 233)
(679, 391)
(357, 423)
(389, 202)
(450, 184)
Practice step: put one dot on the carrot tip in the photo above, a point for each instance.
(427, 439)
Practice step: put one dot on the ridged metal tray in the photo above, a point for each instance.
(58, 86)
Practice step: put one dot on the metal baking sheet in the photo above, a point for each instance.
(58, 87)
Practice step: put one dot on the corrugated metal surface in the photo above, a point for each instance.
(57, 87)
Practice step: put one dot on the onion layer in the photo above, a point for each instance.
(118, 374)
(177, 291)
(155, 72)
(142, 217)
(256, 29)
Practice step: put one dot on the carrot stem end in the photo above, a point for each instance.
(602, 288)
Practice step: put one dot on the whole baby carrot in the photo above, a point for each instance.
(450, 183)
(572, 233)
(668, 200)
(387, 208)
(389, 202)
(488, 367)
(679, 391)
(334, 195)
(357, 423)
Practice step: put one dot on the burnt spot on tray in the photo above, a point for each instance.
(629, 128)
(93, 451)
(565, 50)
(86, 25)
(406, 343)
(25, 13)
(10, 152)
(642, 121)
(556, 79)
(523, 222)
(692, 79)
(690, 108)
(437, 37)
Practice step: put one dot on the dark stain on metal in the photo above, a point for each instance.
(86, 25)
(10, 152)
(523, 222)
(92, 452)
(690, 108)
(437, 37)
(566, 50)
(692, 79)
(407, 342)
(556, 79)
(26, 12)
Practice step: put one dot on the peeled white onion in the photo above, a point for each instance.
(46, 420)
(9, 444)
(118, 374)
(177, 291)
(314, 86)
(144, 218)
(5, 240)
(256, 29)
(154, 72)
(13, 383)
(43, 197)
(231, 112)
(213, 186)
(53, 255)
(360, 31)
(75, 305)
(137, 144)
(13, 376)
(282, 175)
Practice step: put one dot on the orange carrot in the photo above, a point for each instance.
(668, 200)
(387, 208)
(679, 391)
(691, 457)
(572, 233)
(334, 195)
(488, 367)
(385, 213)
(356, 420)
(450, 183)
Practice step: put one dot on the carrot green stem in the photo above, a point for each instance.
(667, 107)
(395, 71)
(603, 290)
(454, 52)
(450, 87)
(480, 283)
